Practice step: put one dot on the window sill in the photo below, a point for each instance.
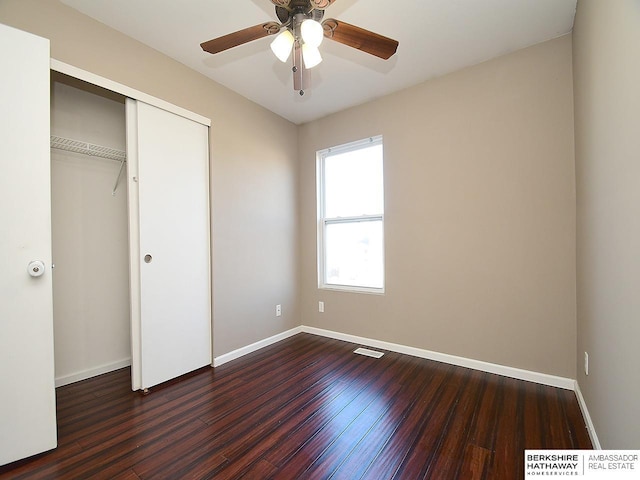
(352, 289)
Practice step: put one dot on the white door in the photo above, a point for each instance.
(27, 401)
(169, 194)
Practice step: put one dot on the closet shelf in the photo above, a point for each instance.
(86, 148)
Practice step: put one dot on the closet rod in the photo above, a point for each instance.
(86, 148)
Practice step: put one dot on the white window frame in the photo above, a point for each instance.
(323, 221)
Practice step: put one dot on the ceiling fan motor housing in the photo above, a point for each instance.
(297, 7)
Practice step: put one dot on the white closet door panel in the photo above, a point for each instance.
(27, 401)
(173, 186)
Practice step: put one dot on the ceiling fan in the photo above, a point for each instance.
(300, 31)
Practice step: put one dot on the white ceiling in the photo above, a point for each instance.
(436, 37)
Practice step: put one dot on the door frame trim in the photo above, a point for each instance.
(80, 74)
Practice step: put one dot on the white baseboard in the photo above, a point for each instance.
(587, 418)
(542, 378)
(227, 357)
(92, 372)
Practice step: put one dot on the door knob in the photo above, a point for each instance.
(36, 268)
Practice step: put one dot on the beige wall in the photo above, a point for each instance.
(479, 212)
(607, 132)
(253, 167)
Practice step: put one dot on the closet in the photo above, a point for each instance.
(90, 239)
(130, 236)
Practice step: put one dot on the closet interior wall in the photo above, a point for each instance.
(89, 234)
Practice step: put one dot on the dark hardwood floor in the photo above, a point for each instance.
(307, 407)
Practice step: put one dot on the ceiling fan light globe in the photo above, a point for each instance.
(282, 45)
(311, 56)
(312, 32)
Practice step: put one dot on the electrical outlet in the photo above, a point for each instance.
(321, 307)
(278, 310)
(586, 363)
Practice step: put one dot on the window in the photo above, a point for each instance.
(350, 217)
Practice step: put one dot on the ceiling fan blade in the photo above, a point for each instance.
(359, 38)
(240, 37)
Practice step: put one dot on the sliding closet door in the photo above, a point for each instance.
(27, 401)
(170, 183)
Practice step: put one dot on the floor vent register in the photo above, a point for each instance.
(368, 353)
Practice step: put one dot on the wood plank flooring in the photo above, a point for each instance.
(307, 407)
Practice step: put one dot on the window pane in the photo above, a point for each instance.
(353, 183)
(354, 254)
